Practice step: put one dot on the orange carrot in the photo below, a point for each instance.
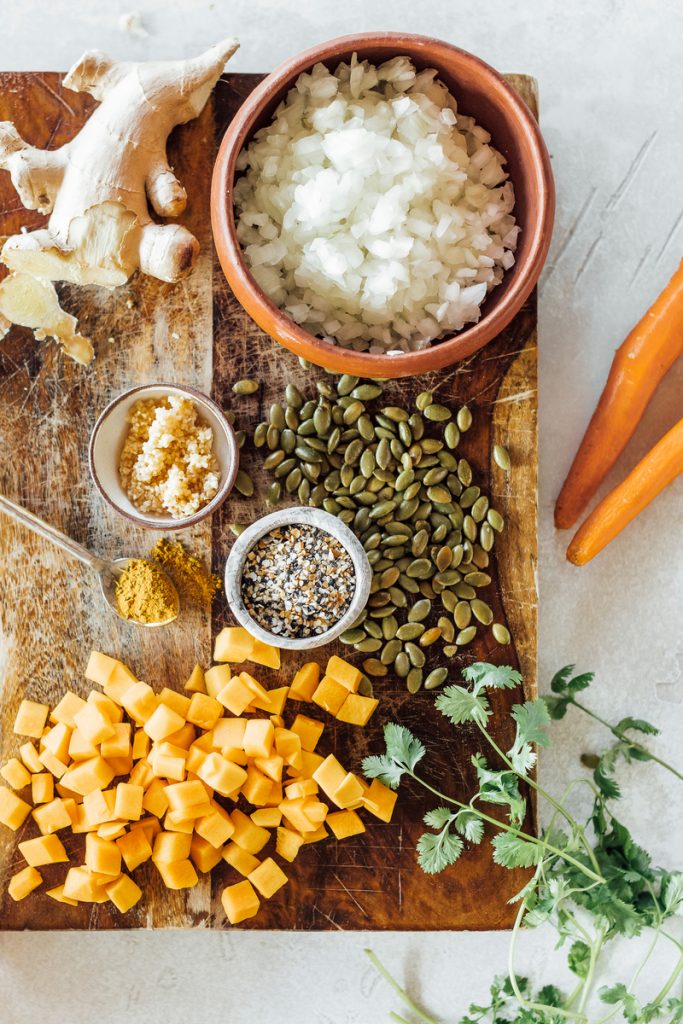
(639, 364)
(652, 474)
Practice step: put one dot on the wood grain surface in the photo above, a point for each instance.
(51, 613)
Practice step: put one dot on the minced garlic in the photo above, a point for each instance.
(167, 465)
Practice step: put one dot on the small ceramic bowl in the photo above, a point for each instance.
(109, 435)
(289, 517)
(481, 92)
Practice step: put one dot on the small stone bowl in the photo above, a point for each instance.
(289, 517)
(109, 435)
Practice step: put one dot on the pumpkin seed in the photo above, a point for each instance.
(495, 520)
(437, 413)
(451, 435)
(417, 426)
(482, 612)
(367, 463)
(240, 437)
(244, 483)
(351, 636)
(374, 667)
(486, 536)
(237, 528)
(478, 579)
(398, 597)
(322, 420)
(260, 435)
(469, 528)
(465, 592)
(291, 418)
(346, 384)
(246, 387)
(304, 493)
(430, 636)
(272, 437)
(352, 412)
(414, 680)
(420, 541)
(410, 631)
(501, 633)
(464, 419)
(450, 650)
(449, 600)
(396, 415)
(365, 428)
(277, 416)
(389, 627)
(446, 627)
(389, 652)
(415, 655)
(462, 615)
(501, 457)
(353, 452)
(389, 577)
(374, 629)
(424, 399)
(436, 678)
(366, 392)
(464, 473)
(293, 396)
(288, 440)
(274, 459)
(420, 610)
(443, 559)
(438, 494)
(419, 568)
(402, 665)
(274, 493)
(368, 646)
(365, 687)
(469, 496)
(466, 636)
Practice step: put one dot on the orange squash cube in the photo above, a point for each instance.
(124, 893)
(163, 722)
(288, 843)
(23, 883)
(51, 817)
(188, 799)
(93, 724)
(257, 787)
(15, 774)
(216, 678)
(344, 673)
(58, 894)
(264, 654)
(204, 711)
(271, 766)
(309, 731)
(330, 695)
(380, 800)
(95, 773)
(171, 846)
(239, 859)
(345, 824)
(240, 902)
(357, 709)
(31, 719)
(139, 701)
(196, 682)
(234, 644)
(42, 788)
(216, 827)
(204, 856)
(29, 755)
(305, 682)
(349, 793)
(268, 877)
(102, 855)
(274, 701)
(266, 817)
(135, 848)
(258, 737)
(235, 696)
(223, 776)
(67, 707)
(118, 745)
(43, 850)
(178, 701)
(247, 835)
(179, 874)
(329, 776)
(155, 800)
(84, 887)
(128, 805)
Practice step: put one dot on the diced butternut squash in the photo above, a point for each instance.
(240, 902)
(118, 745)
(139, 701)
(129, 799)
(163, 721)
(58, 894)
(43, 850)
(223, 776)
(204, 711)
(380, 800)
(196, 682)
(330, 695)
(239, 859)
(100, 668)
(178, 701)
(101, 855)
(257, 787)
(24, 882)
(216, 678)
(29, 755)
(357, 709)
(124, 893)
(259, 735)
(288, 843)
(234, 644)
(349, 793)
(228, 735)
(65, 710)
(15, 774)
(266, 817)
(179, 874)
(294, 811)
(216, 827)
(264, 654)
(309, 731)
(95, 773)
(51, 817)
(52, 763)
(274, 701)
(203, 855)
(329, 776)
(171, 846)
(235, 696)
(109, 708)
(249, 836)
(305, 682)
(345, 824)
(141, 745)
(81, 885)
(317, 836)
(188, 799)
(135, 848)
(31, 719)
(268, 877)
(93, 724)
(301, 789)
(271, 766)
(342, 672)
(42, 788)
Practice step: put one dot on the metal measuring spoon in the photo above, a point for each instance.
(108, 571)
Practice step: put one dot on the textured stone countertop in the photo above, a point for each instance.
(610, 77)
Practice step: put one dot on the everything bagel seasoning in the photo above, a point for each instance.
(298, 581)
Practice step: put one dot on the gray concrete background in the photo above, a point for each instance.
(610, 81)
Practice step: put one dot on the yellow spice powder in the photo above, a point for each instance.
(144, 593)
(193, 580)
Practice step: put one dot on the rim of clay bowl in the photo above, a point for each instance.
(521, 278)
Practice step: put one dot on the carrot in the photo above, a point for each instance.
(652, 474)
(639, 364)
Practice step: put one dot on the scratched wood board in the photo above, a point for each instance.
(51, 614)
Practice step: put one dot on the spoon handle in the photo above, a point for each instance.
(39, 526)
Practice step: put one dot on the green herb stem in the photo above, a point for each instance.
(632, 743)
(509, 828)
(401, 992)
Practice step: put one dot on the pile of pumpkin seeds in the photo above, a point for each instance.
(396, 478)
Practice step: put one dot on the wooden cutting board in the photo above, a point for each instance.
(52, 614)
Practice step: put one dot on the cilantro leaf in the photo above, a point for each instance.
(402, 746)
(532, 717)
(460, 705)
(637, 724)
(469, 825)
(511, 851)
(439, 817)
(579, 958)
(563, 682)
(672, 892)
(491, 677)
(500, 787)
(384, 768)
(557, 706)
(558, 683)
(437, 851)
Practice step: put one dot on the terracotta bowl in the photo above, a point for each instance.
(481, 92)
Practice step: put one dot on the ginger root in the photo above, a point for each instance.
(97, 187)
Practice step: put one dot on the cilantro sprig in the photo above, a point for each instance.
(591, 881)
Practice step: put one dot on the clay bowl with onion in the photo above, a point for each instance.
(480, 92)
